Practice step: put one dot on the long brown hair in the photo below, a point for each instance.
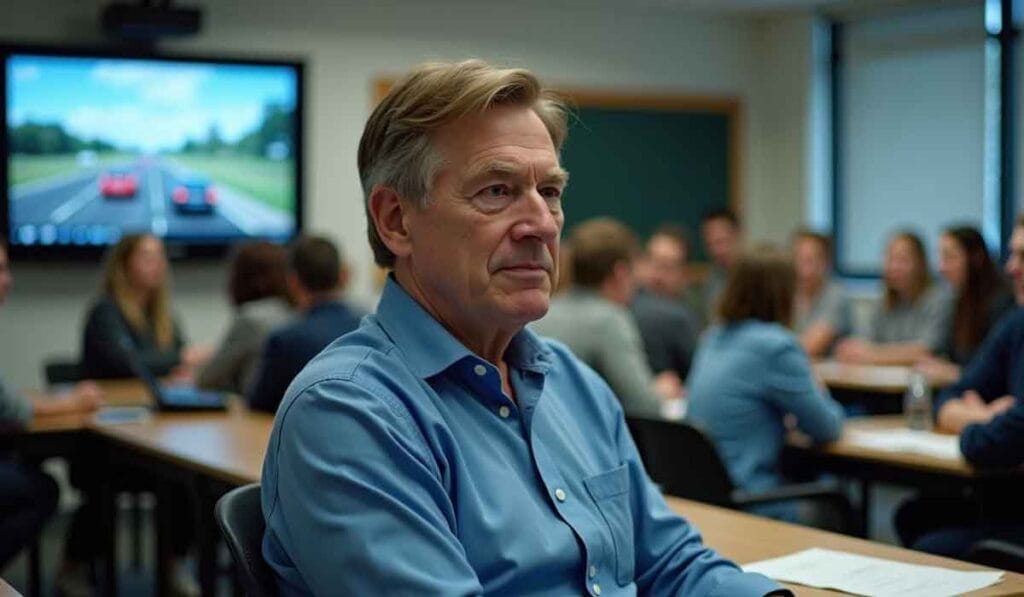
(980, 287)
(156, 314)
(923, 278)
(761, 287)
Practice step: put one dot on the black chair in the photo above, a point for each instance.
(997, 554)
(240, 518)
(684, 462)
(59, 370)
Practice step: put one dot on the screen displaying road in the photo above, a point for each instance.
(191, 151)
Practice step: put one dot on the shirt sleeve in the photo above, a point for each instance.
(671, 558)
(835, 310)
(937, 314)
(224, 370)
(986, 373)
(15, 408)
(622, 363)
(794, 390)
(374, 501)
(272, 376)
(1000, 442)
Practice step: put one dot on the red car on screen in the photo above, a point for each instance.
(119, 183)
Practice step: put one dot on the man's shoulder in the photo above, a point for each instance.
(362, 363)
(1011, 326)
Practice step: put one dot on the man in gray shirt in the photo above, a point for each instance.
(592, 319)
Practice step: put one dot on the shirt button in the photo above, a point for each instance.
(592, 572)
(597, 589)
(480, 370)
(504, 412)
(560, 495)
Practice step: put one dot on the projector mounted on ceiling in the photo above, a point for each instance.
(150, 20)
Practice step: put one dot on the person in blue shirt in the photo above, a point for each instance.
(442, 448)
(316, 278)
(986, 408)
(751, 373)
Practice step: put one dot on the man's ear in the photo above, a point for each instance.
(387, 212)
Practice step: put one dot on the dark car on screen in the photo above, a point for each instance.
(194, 196)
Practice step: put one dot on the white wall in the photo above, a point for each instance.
(346, 47)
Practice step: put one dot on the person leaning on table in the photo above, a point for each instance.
(442, 448)
(986, 408)
(28, 497)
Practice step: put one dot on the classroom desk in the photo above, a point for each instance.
(746, 538)
(877, 389)
(214, 452)
(869, 465)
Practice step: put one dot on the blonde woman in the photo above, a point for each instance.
(135, 303)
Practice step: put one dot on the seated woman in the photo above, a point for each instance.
(913, 320)
(821, 308)
(258, 291)
(982, 297)
(750, 376)
(135, 304)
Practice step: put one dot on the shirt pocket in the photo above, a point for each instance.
(610, 491)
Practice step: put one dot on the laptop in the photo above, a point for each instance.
(175, 396)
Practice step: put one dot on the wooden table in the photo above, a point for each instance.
(869, 389)
(868, 465)
(745, 538)
(216, 451)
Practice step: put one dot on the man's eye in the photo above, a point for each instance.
(551, 192)
(496, 191)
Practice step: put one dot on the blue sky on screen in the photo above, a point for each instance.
(146, 104)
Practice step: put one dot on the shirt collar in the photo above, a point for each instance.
(430, 349)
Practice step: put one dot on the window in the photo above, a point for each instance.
(912, 123)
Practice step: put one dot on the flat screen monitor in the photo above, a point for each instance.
(203, 152)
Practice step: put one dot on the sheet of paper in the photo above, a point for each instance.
(863, 575)
(909, 440)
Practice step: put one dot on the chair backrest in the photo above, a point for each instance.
(682, 460)
(997, 554)
(240, 517)
(62, 370)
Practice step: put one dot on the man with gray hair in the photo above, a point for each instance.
(442, 448)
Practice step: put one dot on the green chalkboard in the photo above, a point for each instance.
(647, 166)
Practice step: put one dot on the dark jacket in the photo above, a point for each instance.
(669, 331)
(289, 348)
(996, 370)
(102, 352)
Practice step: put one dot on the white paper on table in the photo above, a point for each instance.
(908, 440)
(863, 575)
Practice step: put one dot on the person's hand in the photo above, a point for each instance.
(1001, 405)
(195, 355)
(960, 412)
(87, 396)
(852, 350)
(667, 385)
(938, 371)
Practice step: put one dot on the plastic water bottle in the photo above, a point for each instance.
(917, 402)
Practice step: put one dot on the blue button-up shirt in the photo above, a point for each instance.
(398, 466)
